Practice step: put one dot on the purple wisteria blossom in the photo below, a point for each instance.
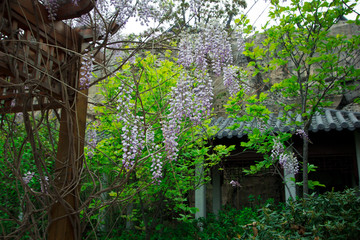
(301, 133)
(52, 7)
(195, 5)
(289, 163)
(190, 100)
(234, 80)
(156, 156)
(230, 80)
(203, 95)
(278, 148)
(156, 167)
(28, 176)
(287, 160)
(132, 128)
(235, 183)
(211, 42)
(240, 40)
(44, 184)
(92, 142)
(85, 71)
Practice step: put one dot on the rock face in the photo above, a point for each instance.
(340, 102)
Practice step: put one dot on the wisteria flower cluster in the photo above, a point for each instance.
(156, 157)
(43, 183)
(191, 100)
(92, 142)
(240, 40)
(122, 10)
(52, 7)
(203, 95)
(85, 71)
(28, 176)
(211, 42)
(234, 80)
(132, 127)
(302, 134)
(195, 6)
(288, 161)
(230, 80)
(235, 183)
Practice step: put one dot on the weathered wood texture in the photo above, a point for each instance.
(39, 59)
(39, 70)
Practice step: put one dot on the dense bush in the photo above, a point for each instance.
(333, 215)
(228, 225)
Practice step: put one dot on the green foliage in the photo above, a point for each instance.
(227, 225)
(334, 215)
(152, 202)
(17, 158)
(316, 65)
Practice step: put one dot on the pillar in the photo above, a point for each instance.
(290, 186)
(216, 194)
(200, 192)
(357, 148)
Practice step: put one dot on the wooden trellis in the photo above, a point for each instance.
(39, 70)
(37, 59)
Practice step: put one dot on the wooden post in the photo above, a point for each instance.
(64, 215)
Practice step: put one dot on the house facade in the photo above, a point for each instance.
(334, 149)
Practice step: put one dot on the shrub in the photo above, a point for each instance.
(333, 215)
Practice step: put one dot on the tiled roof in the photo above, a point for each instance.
(328, 120)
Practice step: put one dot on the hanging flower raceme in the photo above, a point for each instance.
(85, 71)
(156, 157)
(52, 7)
(190, 100)
(195, 6)
(287, 160)
(234, 79)
(302, 134)
(28, 176)
(203, 96)
(132, 136)
(230, 80)
(44, 183)
(235, 183)
(240, 40)
(92, 142)
(211, 42)
(289, 163)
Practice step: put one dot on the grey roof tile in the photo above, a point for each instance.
(326, 120)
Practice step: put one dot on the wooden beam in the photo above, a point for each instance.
(70, 10)
(36, 107)
(36, 18)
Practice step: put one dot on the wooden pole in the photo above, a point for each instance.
(64, 214)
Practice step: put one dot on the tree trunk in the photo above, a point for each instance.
(305, 163)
